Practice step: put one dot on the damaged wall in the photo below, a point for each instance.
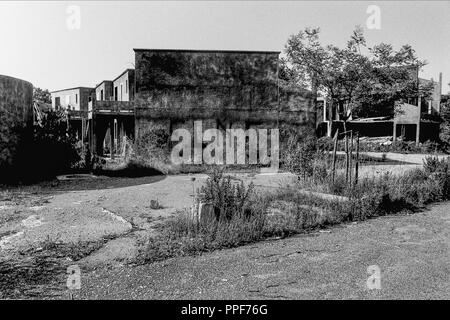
(223, 88)
(16, 116)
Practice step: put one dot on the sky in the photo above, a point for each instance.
(64, 44)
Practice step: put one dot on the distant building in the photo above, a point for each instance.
(76, 99)
(123, 86)
(170, 89)
(77, 103)
(104, 91)
(417, 120)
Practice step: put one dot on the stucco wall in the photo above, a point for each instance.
(76, 98)
(126, 80)
(226, 88)
(16, 115)
(107, 87)
(408, 114)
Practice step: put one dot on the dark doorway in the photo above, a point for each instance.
(57, 103)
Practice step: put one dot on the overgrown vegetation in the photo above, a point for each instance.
(50, 149)
(401, 146)
(241, 216)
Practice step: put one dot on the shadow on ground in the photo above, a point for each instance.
(103, 182)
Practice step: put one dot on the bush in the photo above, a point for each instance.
(151, 151)
(51, 151)
(227, 197)
(244, 217)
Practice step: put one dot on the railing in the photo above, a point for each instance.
(125, 107)
(77, 114)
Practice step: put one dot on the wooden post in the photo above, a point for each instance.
(394, 133)
(346, 152)
(357, 159)
(83, 128)
(334, 153)
(111, 131)
(418, 122)
(350, 159)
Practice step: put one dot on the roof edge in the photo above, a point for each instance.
(206, 51)
(71, 89)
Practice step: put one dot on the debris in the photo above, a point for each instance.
(31, 222)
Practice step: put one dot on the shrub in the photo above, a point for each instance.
(151, 150)
(51, 151)
(245, 217)
(228, 197)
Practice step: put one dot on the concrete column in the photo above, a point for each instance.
(394, 133)
(418, 122)
(111, 130)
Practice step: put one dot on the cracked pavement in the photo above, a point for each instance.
(412, 252)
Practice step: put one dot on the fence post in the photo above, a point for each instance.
(334, 153)
(350, 166)
(357, 159)
(346, 152)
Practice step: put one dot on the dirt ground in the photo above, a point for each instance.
(103, 220)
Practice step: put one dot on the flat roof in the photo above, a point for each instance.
(71, 89)
(102, 83)
(207, 51)
(126, 70)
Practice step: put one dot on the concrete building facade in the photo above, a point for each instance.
(171, 89)
(104, 91)
(123, 86)
(225, 89)
(416, 120)
(16, 119)
(76, 99)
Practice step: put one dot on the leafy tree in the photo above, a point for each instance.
(356, 79)
(41, 95)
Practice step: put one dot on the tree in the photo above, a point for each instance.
(358, 80)
(41, 95)
(393, 81)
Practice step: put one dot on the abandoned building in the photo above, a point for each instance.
(16, 115)
(417, 120)
(171, 89)
(76, 102)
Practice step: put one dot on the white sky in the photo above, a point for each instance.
(36, 44)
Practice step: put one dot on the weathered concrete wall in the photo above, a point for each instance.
(408, 114)
(67, 98)
(16, 115)
(223, 88)
(76, 98)
(107, 87)
(125, 86)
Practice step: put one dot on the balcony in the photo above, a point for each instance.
(77, 114)
(113, 107)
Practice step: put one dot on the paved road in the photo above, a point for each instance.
(412, 252)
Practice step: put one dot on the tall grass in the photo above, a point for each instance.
(242, 216)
